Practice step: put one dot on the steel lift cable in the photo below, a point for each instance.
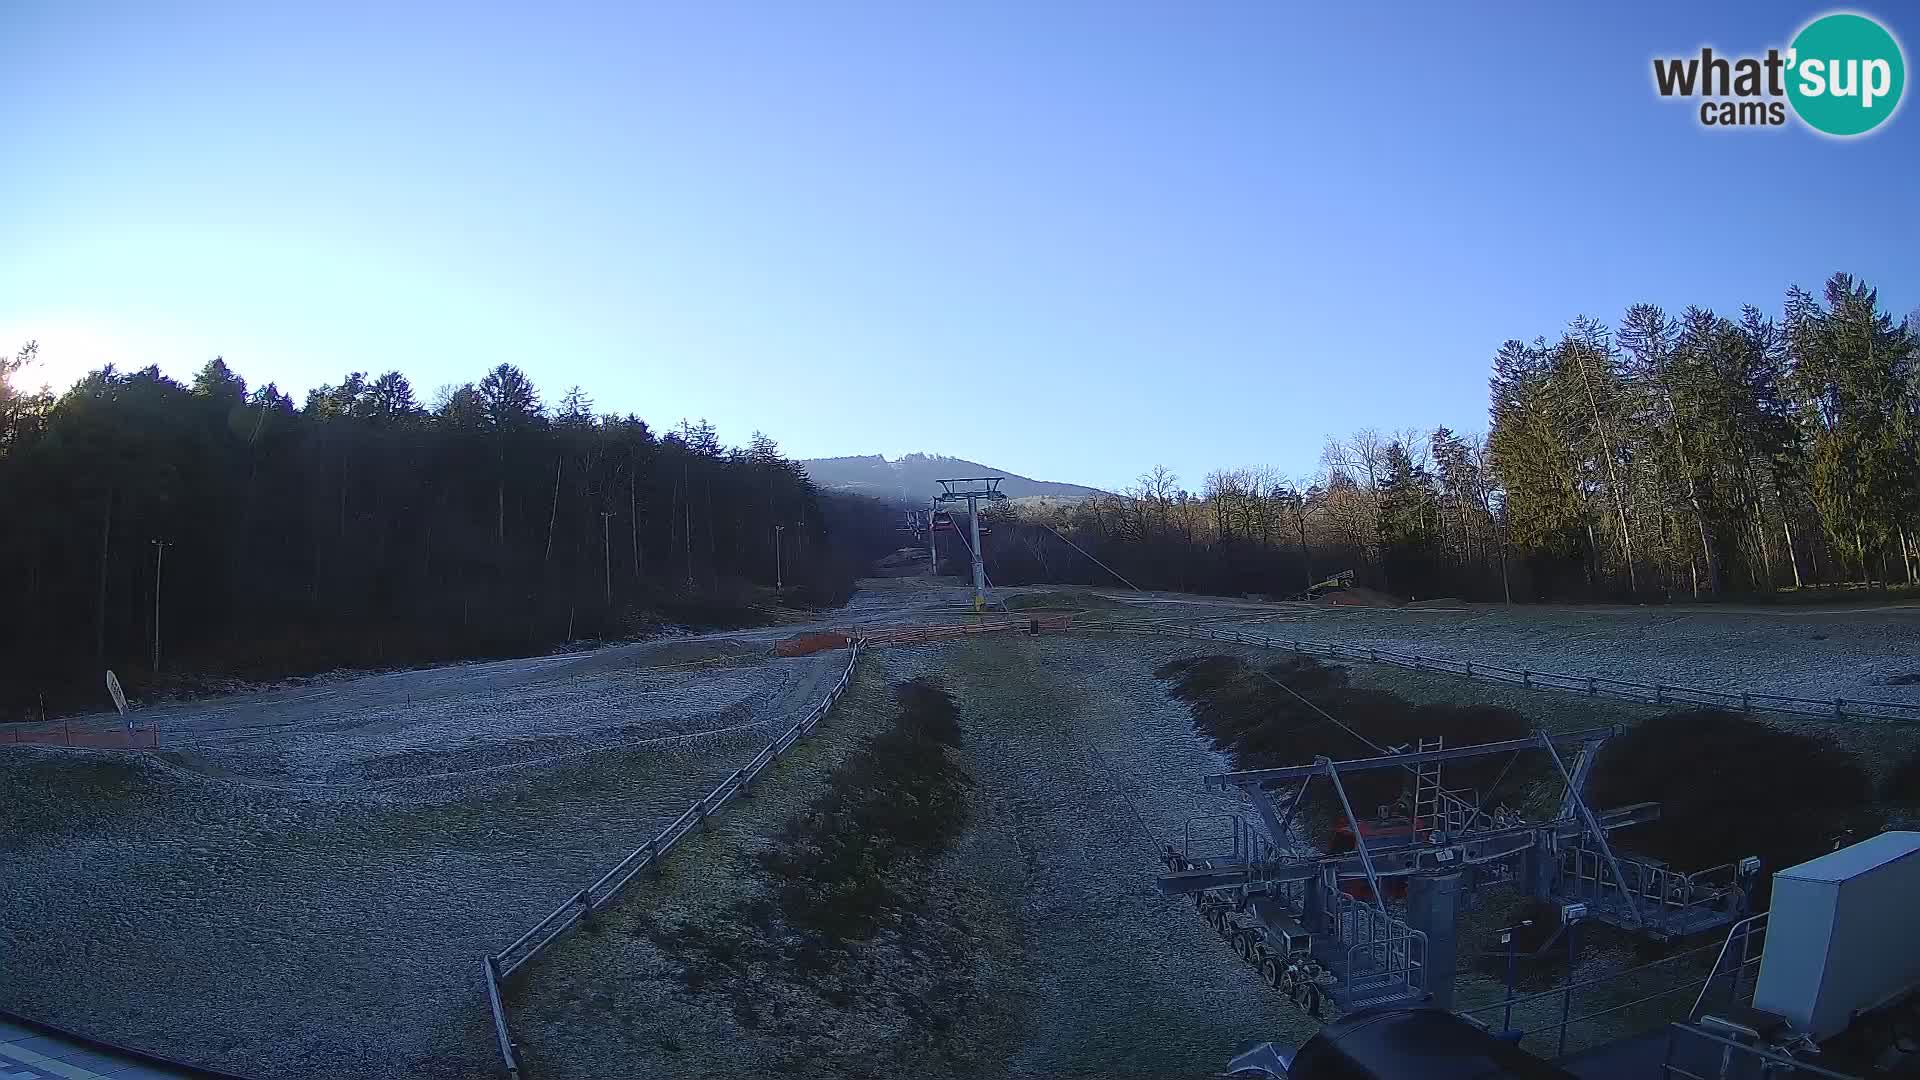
(1375, 746)
(1096, 562)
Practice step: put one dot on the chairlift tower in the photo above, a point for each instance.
(933, 546)
(973, 490)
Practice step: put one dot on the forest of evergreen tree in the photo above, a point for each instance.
(1662, 458)
(363, 529)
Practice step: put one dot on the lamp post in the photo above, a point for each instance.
(1570, 916)
(1506, 938)
(777, 582)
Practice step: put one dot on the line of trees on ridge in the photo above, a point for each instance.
(1696, 455)
(365, 528)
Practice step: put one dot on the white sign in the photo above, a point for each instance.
(119, 699)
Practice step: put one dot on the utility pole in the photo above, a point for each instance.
(933, 551)
(606, 553)
(633, 523)
(100, 613)
(974, 490)
(686, 510)
(777, 582)
(159, 552)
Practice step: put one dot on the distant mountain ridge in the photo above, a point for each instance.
(914, 477)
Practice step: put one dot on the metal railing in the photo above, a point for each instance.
(1591, 877)
(1733, 1059)
(1739, 955)
(602, 892)
(1653, 991)
(1385, 956)
(1239, 842)
(1748, 701)
(1457, 815)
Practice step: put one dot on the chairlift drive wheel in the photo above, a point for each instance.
(1270, 972)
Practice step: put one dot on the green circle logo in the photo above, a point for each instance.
(1845, 74)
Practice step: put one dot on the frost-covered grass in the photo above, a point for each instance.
(309, 893)
(347, 850)
(1815, 654)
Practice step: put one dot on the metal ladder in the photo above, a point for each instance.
(1426, 787)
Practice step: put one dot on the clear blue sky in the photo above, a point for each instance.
(1070, 239)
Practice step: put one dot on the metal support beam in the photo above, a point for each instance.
(1277, 826)
(1359, 837)
(1577, 782)
(1397, 761)
(979, 565)
(1476, 849)
(1293, 809)
(1593, 829)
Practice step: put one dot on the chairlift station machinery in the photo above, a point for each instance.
(1322, 926)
